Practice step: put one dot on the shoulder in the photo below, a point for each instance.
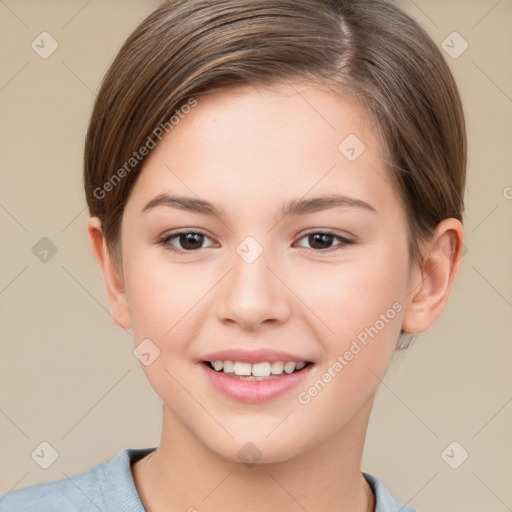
(106, 486)
(66, 494)
(383, 498)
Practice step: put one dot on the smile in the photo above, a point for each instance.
(255, 382)
(257, 371)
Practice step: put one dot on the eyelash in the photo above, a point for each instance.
(344, 242)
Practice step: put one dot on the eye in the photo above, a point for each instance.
(190, 241)
(321, 241)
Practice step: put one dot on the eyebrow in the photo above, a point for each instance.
(290, 208)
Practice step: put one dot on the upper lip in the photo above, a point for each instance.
(259, 355)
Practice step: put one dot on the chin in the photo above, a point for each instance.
(256, 450)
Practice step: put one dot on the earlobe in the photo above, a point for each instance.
(431, 285)
(112, 275)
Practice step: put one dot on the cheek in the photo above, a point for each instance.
(161, 295)
(354, 295)
(363, 308)
(154, 303)
(161, 302)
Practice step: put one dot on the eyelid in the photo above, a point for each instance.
(326, 231)
(185, 230)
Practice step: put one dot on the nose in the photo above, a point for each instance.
(253, 294)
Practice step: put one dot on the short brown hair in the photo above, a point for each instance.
(370, 48)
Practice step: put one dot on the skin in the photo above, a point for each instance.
(250, 150)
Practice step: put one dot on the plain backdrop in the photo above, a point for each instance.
(68, 374)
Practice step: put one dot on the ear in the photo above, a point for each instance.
(112, 276)
(430, 287)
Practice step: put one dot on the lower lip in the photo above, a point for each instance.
(254, 391)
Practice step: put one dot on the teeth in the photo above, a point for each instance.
(264, 369)
(261, 369)
(228, 366)
(217, 365)
(289, 367)
(277, 367)
(242, 368)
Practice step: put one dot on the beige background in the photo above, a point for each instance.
(68, 374)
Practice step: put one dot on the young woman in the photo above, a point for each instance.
(276, 197)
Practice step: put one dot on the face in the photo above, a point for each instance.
(300, 256)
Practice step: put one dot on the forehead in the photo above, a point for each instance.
(260, 144)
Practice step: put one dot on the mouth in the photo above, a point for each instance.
(264, 370)
(257, 382)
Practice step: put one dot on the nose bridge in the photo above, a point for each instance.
(253, 294)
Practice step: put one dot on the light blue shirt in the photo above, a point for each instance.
(109, 487)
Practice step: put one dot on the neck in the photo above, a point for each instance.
(184, 474)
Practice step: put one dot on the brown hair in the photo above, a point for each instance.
(369, 48)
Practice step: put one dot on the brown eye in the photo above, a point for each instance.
(321, 241)
(187, 241)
